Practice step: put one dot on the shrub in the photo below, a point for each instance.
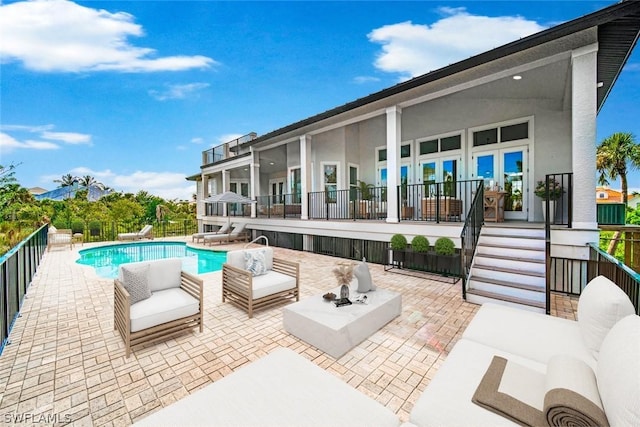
(555, 190)
(398, 242)
(420, 244)
(445, 246)
(77, 227)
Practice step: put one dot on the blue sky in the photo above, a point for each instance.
(132, 92)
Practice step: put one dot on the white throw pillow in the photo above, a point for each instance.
(134, 280)
(255, 262)
(600, 306)
(365, 284)
(618, 373)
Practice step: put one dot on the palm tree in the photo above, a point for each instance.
(66, 181)
(615, 156)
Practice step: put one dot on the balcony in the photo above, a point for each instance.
(227, 150)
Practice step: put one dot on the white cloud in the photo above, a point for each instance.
(632, 66)
(68, 137)
(9, 144)
(365, 79)
(62, 36)
(414, 49)
(178, 91)
(228, 137)
(197, 140)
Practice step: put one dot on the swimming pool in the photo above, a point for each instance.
(106, 259)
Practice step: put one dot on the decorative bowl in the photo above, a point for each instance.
(329, 296)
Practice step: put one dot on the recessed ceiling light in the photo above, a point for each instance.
(600, 84)
(271, 163)
(517, 77)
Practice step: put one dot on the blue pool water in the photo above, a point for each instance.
(107, 259)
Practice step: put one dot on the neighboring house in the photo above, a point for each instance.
(69, 192)
(501, 119)
(37, 190)
(632, 202)
(607, 195)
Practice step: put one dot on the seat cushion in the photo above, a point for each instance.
(271, 283)
(618, 372)
(162, 307)
(532, 335)
(282, 389)
(601, 305)
(163, 273)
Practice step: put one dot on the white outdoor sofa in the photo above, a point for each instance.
(253, 279)
(173, 303)
(59, 237)
(285, 389)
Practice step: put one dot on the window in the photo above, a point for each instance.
(353, 182)
(428, 147)
(451, 143)
(514, 132)
(485, 137)
(382, 155)
(330, 179)
(405, 151)
(295, 180)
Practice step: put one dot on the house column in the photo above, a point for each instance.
(394, 136)
(226, 185)
(203, 193)
(583, 135)
(255, 180)
(305, 175)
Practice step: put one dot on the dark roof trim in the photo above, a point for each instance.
(603, 16)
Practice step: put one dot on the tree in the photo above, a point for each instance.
(615, 156)
(66, 180)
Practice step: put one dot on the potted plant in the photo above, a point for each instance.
(364, 204)
(552, 195)
(447, 260)
(419, 247)
(398, 247)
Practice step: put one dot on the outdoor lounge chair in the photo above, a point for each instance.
(238, 233)
(59, 237)
(196, 237)
(145, 233)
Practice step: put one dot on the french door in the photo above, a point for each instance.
(506, 168)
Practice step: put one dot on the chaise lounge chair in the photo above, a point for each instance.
(200, 236)
(238, 233)
(145, 233)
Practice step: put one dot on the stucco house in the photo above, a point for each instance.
(429, 148)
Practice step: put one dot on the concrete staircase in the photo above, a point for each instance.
(509, 267)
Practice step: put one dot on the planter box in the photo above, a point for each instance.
(448, 265)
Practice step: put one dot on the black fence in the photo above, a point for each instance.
(471, 233)
(17, 268)
(279, 206)
(104, 231)
(353, 204)
(436, 201)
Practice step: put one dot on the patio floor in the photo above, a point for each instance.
(66, 366)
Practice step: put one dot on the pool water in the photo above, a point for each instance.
(106, 259)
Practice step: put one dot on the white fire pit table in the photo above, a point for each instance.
(336, 330)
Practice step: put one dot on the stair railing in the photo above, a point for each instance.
(471, 233)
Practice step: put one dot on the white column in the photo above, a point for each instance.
(226, 185)
(394, 137)
(583, 135)
(305, 175)
(255, 180)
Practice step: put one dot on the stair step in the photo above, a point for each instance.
(504, 298)
(513, 236)
(509, 284)
(504, 264)
(491, 240)
(511, 258)
(508, 275)
(511, 251)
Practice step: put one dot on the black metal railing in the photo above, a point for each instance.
(558, 210)
(226, 150)
(103, 231)
(17, 268)
(471, 233)
(352, 204)
(435, 201)
(279, 206)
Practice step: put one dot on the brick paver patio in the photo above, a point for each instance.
(66, 364)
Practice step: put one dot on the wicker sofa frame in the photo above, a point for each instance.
(237, 286)
(122, 320)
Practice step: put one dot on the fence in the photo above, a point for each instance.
(104, 231)
(436, 201)
(349, 204)
(17, 268)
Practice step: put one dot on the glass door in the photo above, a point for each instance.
(505, 169)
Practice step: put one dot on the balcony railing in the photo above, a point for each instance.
(17, 268)
(436, 201)
(279, 206)
(226, 150)
(348, 204)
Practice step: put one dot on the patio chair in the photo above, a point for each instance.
(196, 237)
(59, 237)
(238, 233)
(145, 233)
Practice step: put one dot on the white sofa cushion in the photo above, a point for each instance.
(447, 399)
(532, 335)
(163, 273)
(271, 283)
(281, 389)
(601, 305)
(162, 307)
(618, 372)
(236, 258)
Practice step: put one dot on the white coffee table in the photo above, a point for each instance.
(336, 330)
